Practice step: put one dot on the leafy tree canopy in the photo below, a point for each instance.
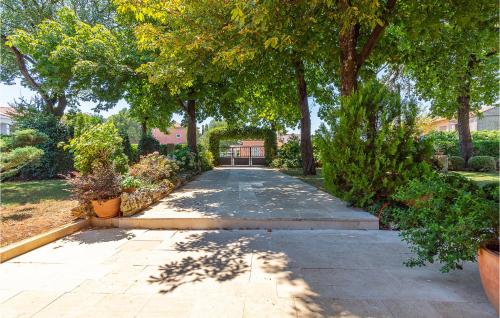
(127, 125)
(70, 61)
(437, 54)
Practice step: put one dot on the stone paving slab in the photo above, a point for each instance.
(321, 273)
(252, 194)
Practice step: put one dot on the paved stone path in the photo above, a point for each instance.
(148, 273)
(258, 194)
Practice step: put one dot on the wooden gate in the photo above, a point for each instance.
(242, 156)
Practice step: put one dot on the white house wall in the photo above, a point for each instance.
(489, 120)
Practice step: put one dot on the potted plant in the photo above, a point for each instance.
(102, 188)
(458, 223)
(130, 184)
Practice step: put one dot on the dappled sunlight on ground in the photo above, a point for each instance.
(301, 273)
(251, 193)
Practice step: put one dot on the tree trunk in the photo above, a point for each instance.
(144, 127)
(348, 60)
(306, 151)
(464, 135)
(191, 131)
(61, 106)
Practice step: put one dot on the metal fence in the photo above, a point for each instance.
(242, 156)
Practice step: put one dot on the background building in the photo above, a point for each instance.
(176, 135)
(5, 119)
(489, 119)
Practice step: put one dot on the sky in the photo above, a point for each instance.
(9, 93)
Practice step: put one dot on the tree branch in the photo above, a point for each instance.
(181, 103)
(21, 63)
(493, 52)
(376, 33)
(473, 60)
(29, 59)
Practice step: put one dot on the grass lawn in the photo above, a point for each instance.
(22, 192)
(28, 208)
(316, 180)
(481, 178)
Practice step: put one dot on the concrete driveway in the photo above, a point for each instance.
(256, 197)
(301, 273)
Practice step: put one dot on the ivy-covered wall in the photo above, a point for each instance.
(222, 133)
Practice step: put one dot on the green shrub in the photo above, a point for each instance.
(362, 163)
(27, 137)
(11, 162)
(446, 219)
(134, 152)
(55, 160)
(78, 123)
(486, 148)
(18, 151)
(5, 142)
(103, 183)
(130, 182)
(485, 143)
(148, 144)
(101, 144)
(482, 163)
(127, 148)
(316, 150)
(276, 163)
(444, 142)
(491, 135)
(289, 154)
(206, 160)
(386, 211)
(154, 168)
(456, 163)
(491, 191)
(185, 159)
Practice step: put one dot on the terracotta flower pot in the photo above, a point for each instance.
(489, 270)
(108, 208)
(129, 190)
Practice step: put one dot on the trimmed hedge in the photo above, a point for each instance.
(482, 163)
(485, 143)
(456, 163)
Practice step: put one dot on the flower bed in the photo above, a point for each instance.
(106, 185)
(154, 177)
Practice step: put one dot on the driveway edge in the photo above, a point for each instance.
(15, 249)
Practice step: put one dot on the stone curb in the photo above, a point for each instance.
(234, 224)
(15, 249)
